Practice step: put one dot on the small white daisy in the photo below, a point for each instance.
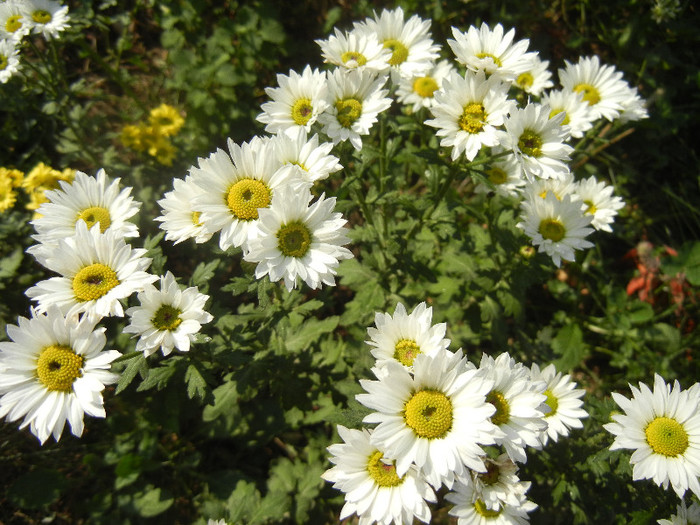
(684, 515)
(97, 270)
(357, 49)
(536, 78)
(49, 17)
(467, 111)
(373, 490)
(564, 402)
(633, 107)
(557, 227)
(179, 220)
(14, 24)
(499, 485)
(54, 370)
(598, 201)
(9, 61)
(167, 318)
(470, 509)
(310, 159)
(506, 174)
(419, 91)
(559, 188)
(296, 239)
(296, 103)
(663, 428)
(578, 113)
(403, 336)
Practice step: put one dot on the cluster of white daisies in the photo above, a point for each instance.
(434, 412)
(20, 18)
(55, 365)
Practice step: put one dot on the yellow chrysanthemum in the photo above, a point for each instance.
(46, 177)
(167, 119)
(8, 196)
(16, 176)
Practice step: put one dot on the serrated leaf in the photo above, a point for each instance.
(225, 400)
(136, 365)
(196, 383)
(203, 273)
(157, 377)
(308, 332)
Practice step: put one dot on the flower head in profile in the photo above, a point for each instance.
(578, 116)
(179, 220)
(9, 61)
(684, 515)
(536, 78)
(53, 370)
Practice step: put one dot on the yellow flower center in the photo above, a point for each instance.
(399, 52)
(552, 402)
(425, 86)
(294, 239)
(590, 93)
(429, 414)
(525, 80)
(96, 214)
(591, 208)
(94, 281)
(167, 318)
(58, 366)
(495, 59)
(13, 23)
(195, 218)
(502, 414)
(3, 61)
(530, 143)
(552, 229)
(302, 111)
(555, 112)
(405, 351)
(246, 196)
(349, 110)
(482, 510)
(667, 437)
(473, 118)
(382, 473)
(497, 176)
(356, 59)
(41, 17)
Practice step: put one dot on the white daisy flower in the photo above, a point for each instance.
(296, 103)
(296, 239)
(491, 51)
(578, 113)
(419, 91)
(602, 86)
(558, 188)
(467, 111)
(412, 49)
(536, 78)
(403, 336)
(167, 318)
(506, 174)
(179, 220)
(54, 370)
(538, 141)
(518, 402)
(470, 509)
(357, 49)
(307, 158)
(599, 202)
(663, 428)
(499, 485)
(633, 107)
(49, 17)
(436, 417)
(97, 270)
(9, 61)
(373, 489)
(684, 515)
(14, 24)
(557, 227)
(355, 99)
(563, 400)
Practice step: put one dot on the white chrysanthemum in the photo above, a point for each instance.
(355, 99)
(633, 107)
(167, 318)
(296, 239)
(373, 490)
(663, 428)
(536, 78)
(564, 402)
(97, 270)
(179, 220)
(235, 188)
(296, 103)
(599, 202)
(9, 62)
(412, 49)
(54, 370)
(506, 174)
(557, 227)
(419, 91)
(357, 49)
(437, 417)
(538, 141)
(578, 113)
(308, 159)
(519, 404)
(470, 509)
(499, 485)
(684, 515)
(49, 17)
(559, 188)
(14, 25)
(403, 336)
(92, 200)
(467, 111)
(602, 86)
(491, 51)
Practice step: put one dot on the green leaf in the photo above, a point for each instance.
(155, 501)
(568, 343)
(310, 331)
(157, 377)
(687, 262)
(37, 488)
(136, 365)
(196, 383)
(203, 273)
(225, 400)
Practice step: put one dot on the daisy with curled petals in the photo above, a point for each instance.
(437, 417)
(557, 227)
(419, 91)
(467, 111)
(684, 515)
(309, 159)
(663, 428)
(167, 318)
(96, 271)
(49, 17)
(373, 490)
(536, 78)
(559, 188)
(578, 114)
(470, 509)
(598, 202)
(296, 103)
(563, 401)
(9, 62)
(54, 370)
(402, 337)
(518, 402)
(491, 51)
(357, 49)
(298, 240)
(179, 220)
(633, 107)
(355, 98)
(499, 485)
